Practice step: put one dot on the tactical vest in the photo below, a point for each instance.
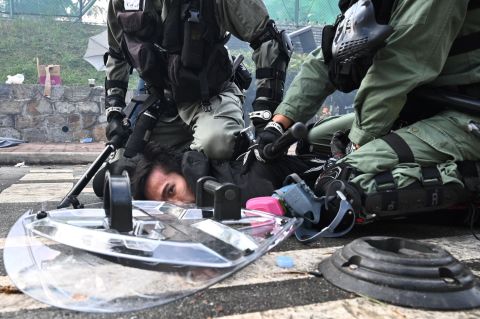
(347, 76)
(185, 53)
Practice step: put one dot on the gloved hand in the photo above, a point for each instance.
(340, 144)
(337, 178)
(272, 132)
(305, 148)
(116, 132)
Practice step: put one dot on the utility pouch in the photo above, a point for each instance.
(189, 85)
(242, 77)
(173, 28)
(145, 58)
(193, 42)
(140, 32)
(139, 23)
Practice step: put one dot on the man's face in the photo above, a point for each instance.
(170, 187)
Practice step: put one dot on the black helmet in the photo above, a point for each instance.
(359, 34)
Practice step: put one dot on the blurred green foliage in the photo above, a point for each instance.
(43, 7)
(296, 60)
(23, 39)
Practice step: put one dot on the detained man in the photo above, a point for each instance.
(166, 175)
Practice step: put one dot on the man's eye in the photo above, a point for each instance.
(171, 190)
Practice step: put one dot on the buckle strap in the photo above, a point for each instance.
(264, 115)
(110, 84)
(270, 73)
(385, 181)
(399, 146)
(205, 91)
(431, 176)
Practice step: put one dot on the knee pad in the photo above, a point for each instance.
(429, 194)
(388, 201)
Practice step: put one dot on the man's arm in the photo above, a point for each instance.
(249, 21)
(116, 81)
(414, 55)
(117, 69)
(307, 92)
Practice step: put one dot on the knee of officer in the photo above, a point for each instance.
(215, 144)
(215, 136)
(374, 157)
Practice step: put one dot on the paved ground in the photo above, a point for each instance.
(50, 153)
(261, 290)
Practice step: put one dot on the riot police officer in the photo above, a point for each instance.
(178, 47)
(389, 50)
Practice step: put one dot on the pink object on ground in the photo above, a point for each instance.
(54, 79)
(266, 204)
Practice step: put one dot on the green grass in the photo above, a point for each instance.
(24, 39)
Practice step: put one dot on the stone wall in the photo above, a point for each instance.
(70, 114)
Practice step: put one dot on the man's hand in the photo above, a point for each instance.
(116, 131)
(271, 133)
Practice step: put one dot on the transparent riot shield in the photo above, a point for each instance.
(71, 259)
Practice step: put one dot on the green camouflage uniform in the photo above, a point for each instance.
(213, 132)
(415, 54)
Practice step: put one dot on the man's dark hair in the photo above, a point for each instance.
(155, 155)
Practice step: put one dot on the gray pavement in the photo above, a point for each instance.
(51, 153)
(261, 290)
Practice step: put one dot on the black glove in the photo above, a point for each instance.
(305, 148)
(340, 144)
(116, 132)
(271, 133)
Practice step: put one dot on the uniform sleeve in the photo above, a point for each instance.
(308, 90)
(117, 69)
(414, 55)
(247, 20)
